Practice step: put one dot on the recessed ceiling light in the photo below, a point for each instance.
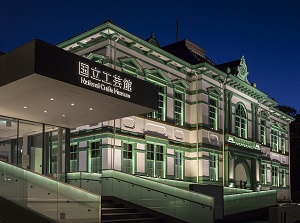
(45, 111)
(51, 99)
(91, 109)
(25, 106)
(63, 115)
(72, 104)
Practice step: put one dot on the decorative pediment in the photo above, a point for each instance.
(130, 65)
(264, 114)
(277, 126)
(156, 75)
(214, 91)
(180, 84)
(96, 57)
(242, 70)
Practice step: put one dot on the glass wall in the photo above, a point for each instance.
(33, 146)
(8, 140)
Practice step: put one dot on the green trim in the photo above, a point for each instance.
(214, 92)
(96, 57)
(156, 75)
(180, 85)
(118, 30)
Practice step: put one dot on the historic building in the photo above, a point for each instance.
(211, 126)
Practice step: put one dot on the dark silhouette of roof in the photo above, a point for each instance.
(232, 65)
(188, 51)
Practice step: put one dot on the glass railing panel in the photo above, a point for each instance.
(190, 211)
(173, 201)
(107, 186)
(41, 194)
(56, 200)
(91, 182)
(158, 201)
(12, 183)
(127, 191)
(166, 199)
(249, 201)
(75, 204)
(174, 183)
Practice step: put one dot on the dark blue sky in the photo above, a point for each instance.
(266, 32)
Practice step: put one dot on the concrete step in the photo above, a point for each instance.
(145, 220)
(113, 211)
(128, 215)
(110, 210)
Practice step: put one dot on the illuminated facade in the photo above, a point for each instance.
(211, 125)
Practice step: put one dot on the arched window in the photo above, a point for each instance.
(241, 121)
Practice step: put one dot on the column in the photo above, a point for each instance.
(254, 121)
(59, 151)
(226, 167)
(228, 111)
(67, 153)
(253, 173)
(25, 156)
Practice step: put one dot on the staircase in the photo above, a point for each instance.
(115, 211)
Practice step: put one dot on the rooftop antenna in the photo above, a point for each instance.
(177, 30)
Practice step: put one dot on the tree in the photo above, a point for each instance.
(294, 150)
(287, 110)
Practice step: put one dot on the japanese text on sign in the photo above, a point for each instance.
(104, 80)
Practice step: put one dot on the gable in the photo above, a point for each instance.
(180, 84)
(214, 91)
(156, 75)
(96, 57)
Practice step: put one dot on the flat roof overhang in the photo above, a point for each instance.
(43, 83)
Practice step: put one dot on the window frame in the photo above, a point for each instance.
(275, 176)
(95, 151)
(283, 177)
(264, 173)
(179, 103)
(213, 121)
(160, 114)
(263, 131)
(213, 167)
(239, 119)
(74, 151)
(127, 152)
(158, 78)
(283, 145)
(274, 139)
(178, 162)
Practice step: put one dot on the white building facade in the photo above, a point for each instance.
(211, 125)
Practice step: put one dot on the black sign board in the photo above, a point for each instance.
(44, 59)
